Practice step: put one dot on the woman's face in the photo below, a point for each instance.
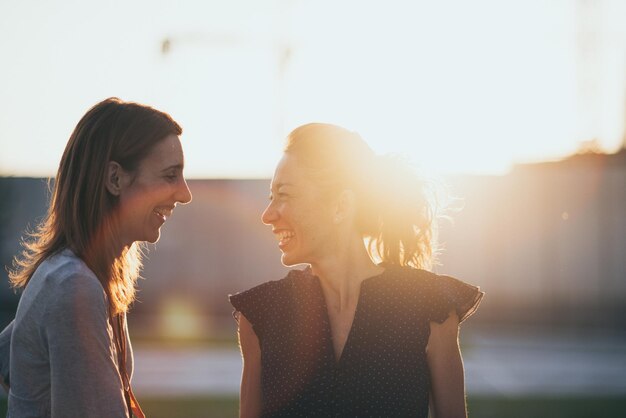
(149, 195)
(301, 219)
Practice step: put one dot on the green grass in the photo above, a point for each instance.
(566, 407)
(590, 407)
(189, 407)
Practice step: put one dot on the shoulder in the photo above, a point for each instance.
(69, 284)
(408, 287)
(437, 294)
(273, 289)
(404, 278)
(420, 280)
(264, 302)
(69, 272)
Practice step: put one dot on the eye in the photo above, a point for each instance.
(171, 177)
(279, 195)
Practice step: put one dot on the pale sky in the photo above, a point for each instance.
(457, 86)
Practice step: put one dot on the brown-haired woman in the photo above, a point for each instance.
(346, 336)
(119, 179)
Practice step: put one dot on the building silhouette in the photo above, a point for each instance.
(546, 242)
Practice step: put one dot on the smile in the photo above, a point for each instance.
(283, 237)
(163, 213)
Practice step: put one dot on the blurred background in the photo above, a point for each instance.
(520, 106)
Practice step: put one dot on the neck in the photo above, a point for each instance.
(342, 273)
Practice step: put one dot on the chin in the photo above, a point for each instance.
(287, 261)
(153, 238)
(290, 260)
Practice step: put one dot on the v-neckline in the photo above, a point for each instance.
(338, 360)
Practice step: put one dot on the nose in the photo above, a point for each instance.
(183, 194)
(270, 214)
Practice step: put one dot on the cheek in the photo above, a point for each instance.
(310, 223)
(157, 194)
(143, 200)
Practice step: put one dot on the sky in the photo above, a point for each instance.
(456, 86)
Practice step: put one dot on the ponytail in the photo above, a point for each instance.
(397, 214)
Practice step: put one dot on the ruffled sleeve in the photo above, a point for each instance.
(450, 294)
(256, 305)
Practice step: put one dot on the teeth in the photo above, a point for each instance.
(166, 213)
(284, 235)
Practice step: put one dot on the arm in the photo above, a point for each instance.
(5, 355)
(250, 395)
(83, 373)
(446, 370)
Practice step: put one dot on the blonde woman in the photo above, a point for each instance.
(347, 336)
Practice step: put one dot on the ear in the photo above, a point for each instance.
(346, 206)
(114, 178)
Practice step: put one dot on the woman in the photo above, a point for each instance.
(119, 179)
(346, 336)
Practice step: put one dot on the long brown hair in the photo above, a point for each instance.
(396, 207)
(82, 213)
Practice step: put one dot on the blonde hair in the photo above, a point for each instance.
(82, 215)
(396, 207)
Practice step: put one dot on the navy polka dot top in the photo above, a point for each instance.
(382, 371)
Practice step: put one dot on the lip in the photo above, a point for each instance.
(163, 212)
(160, 218)
(283, 240)
(282, 245)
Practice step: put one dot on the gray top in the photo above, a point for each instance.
(5, 346)
(63, 361)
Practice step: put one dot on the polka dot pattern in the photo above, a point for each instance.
(382, 370)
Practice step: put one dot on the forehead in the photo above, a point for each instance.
(288, 173)
(167, 152)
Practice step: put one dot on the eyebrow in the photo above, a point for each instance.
(175, 167)
(279, 185)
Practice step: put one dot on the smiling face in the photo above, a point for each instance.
(148, 196)
(300, 216)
